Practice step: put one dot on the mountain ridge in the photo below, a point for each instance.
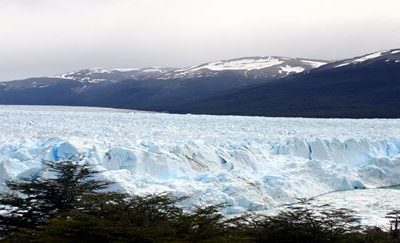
(250, 67)
(365, 86)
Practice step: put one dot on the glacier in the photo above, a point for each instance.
(247, 163)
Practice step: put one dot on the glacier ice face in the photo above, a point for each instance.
(249, 163)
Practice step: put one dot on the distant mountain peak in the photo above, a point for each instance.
(253, 67)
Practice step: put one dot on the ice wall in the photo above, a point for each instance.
(247, 163)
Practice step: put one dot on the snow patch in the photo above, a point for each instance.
(288, 69)
(362, 59)
(240, 64)
(314, 64)
(152, 69)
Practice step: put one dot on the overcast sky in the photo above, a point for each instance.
(45, 37)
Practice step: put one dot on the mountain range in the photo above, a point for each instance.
(366, 86)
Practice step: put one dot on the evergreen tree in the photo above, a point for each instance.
(33, 200)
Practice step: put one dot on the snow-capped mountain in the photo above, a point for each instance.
(366, 86)
(97, 75)
(251, 67)
(388, 56)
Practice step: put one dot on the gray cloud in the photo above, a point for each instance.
(44, 37)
